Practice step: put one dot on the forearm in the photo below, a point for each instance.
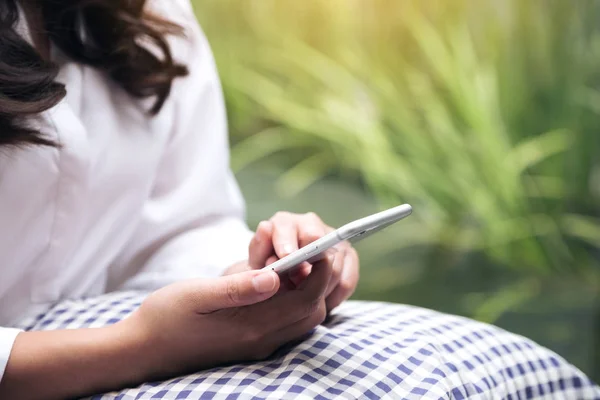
(73, 363)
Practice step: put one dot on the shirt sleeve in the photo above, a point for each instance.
(7, 339)
(193, 223)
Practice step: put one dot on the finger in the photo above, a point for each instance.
(261, 245)
(345, 245)
(348, 281)
(271, 260)
(310, 228)
(297, 330)
(336, 274)
(285, 234)
(291, 279)
(236, 290)
(294, 305)
(322, 255)
(299, 274)
(316, 283)
(284, 279)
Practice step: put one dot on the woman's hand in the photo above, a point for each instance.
(181, 328)
(285, 233)
(203, 323)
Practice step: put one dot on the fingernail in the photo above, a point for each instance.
(264, 282)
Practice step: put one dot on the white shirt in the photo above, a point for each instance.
(129, 201)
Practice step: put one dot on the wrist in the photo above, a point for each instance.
(127, 338)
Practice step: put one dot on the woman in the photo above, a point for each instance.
(113, 177)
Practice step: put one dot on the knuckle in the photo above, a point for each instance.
(253, 337)
(233, 291)
(279, 215)
(339, 261)
(309, 235)
(321, 313)
(313, 307)
(255, 343)
(347, 287)
(262, 225)
(319, 316)
(336, 275)
(312, 216)
(330, 261)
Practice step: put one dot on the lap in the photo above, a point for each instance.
(365, 350)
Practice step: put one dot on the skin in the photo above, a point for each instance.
(245, 315)
(184, 327)
(285, 233)
(193, 325)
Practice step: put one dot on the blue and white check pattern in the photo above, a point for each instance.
(367, 350)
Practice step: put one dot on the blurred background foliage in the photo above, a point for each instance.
(482, 114)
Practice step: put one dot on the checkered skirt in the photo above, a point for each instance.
(367, 350)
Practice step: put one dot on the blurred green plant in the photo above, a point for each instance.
(481, 114)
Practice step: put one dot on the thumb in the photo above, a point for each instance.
(238, 290)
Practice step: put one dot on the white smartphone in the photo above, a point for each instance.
(353, 231)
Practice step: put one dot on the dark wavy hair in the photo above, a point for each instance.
(105, 34)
